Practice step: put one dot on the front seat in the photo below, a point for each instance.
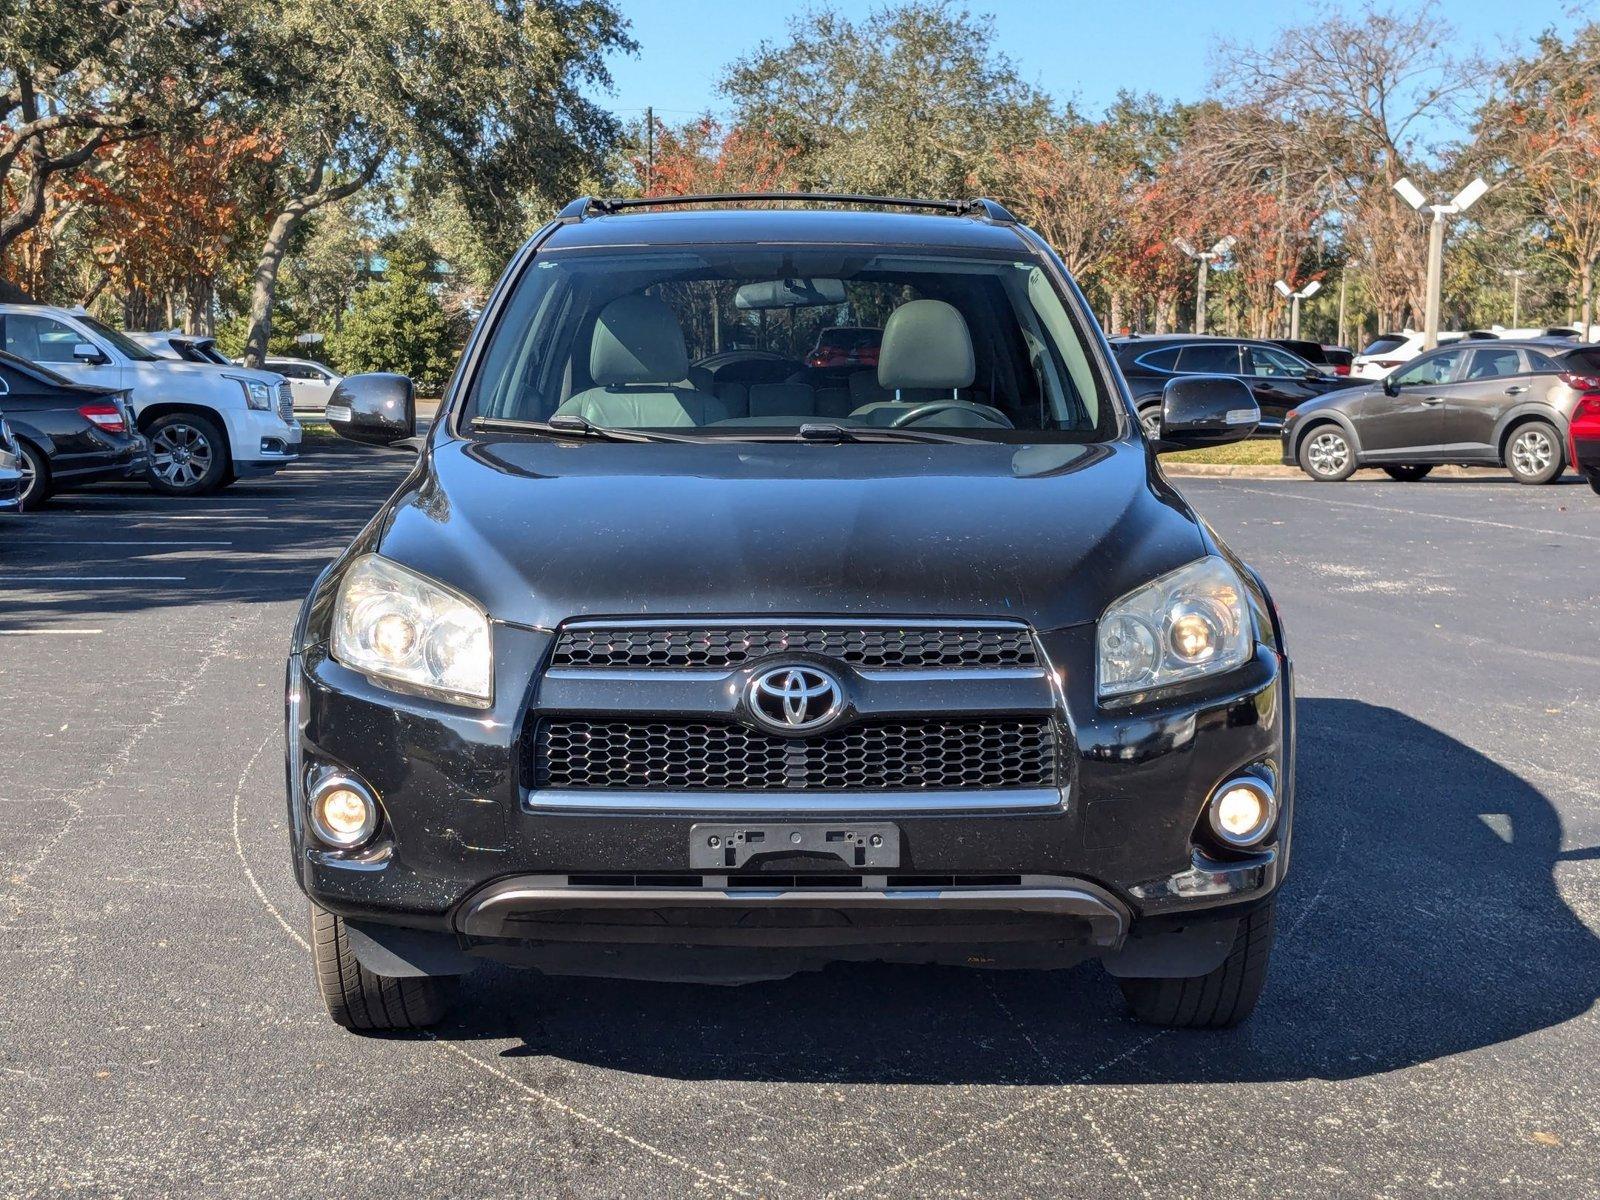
(635, 358)
(926, 356)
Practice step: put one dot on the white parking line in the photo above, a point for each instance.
(1414, 512)
(116, 542)
(46, 632)
(92, 578)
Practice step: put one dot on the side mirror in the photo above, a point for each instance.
(376, 409)
(84, 352)
(1206, 410)
(1391, 386)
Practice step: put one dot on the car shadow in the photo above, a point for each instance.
(1421, 919)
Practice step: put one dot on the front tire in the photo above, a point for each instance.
(35, 479)
(1218, 1000)
(1407, 472)
(1533, 455)
(1327, 455)
(1150, 422)
(360, 1000)
(188, 454)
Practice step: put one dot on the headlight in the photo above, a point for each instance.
(398, 625)
(256, 393)
(1188, 623)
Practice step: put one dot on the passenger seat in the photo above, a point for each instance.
(782, 400)
(636, 357)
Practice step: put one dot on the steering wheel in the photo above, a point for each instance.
(934, 407)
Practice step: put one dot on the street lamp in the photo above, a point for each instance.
(1205, 258)
(1464, 199)
(1515, 274)
(1294, 298)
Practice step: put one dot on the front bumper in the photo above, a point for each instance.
(1115, 859)
(263, 442)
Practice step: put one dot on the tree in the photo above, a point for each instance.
(705, 157)
(78, 77)
(911, 100)
(398, 324)
(1545, 132)
(1352, 96)
(1072, 186)
(483, 100)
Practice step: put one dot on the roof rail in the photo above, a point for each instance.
(593, 206)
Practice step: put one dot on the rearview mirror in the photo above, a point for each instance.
(85, 352)
(1206, 410)
(376, 409)
(790, 293)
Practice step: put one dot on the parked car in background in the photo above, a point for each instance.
(1475, 403)
(310, 383)
(1277, 378)
(846, 346)
(1390, 350)
(1583, 431)
(207, 425)
(66, 433)
(1334, 360)
(10, 467)
(185, 347)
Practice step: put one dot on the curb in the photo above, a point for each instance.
(1241, 471)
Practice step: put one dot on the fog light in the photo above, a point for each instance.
(1242, 811)
(343, 812)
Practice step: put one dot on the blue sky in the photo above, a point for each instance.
(1073, 49)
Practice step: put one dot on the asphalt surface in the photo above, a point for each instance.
(1429, 1022)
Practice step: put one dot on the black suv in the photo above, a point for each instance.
(646, 672)
(1276, 377)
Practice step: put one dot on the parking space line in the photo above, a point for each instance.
(15, 579)
(118, 542)
(46, 632)
(1413, 512)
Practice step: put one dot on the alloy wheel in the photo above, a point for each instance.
(181, 455)
(1328, 453)
(1150, 422)
(30, 479)
(1531, 452)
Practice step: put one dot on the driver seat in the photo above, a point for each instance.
(926, 356)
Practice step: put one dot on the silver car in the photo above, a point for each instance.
(1472, 403)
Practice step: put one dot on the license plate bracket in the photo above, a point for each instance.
(858, 845)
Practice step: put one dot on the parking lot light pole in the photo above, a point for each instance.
(1294, 298)
(1204, 257)
(1515, 274)
(1464, 199)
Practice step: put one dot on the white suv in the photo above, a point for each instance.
(1390, 350)
(207, 425)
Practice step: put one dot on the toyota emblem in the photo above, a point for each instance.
(795, 699)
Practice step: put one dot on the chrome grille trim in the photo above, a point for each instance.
(860, 803)
(952, 647)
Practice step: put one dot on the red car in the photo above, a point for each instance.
(1583, 435)
(846, 346)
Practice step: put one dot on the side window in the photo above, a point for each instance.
(1542, 364)
(40, 339)
(1264, 360)
(1161, 360)
(1495, 364)
(1210, 358)
(1431, 368)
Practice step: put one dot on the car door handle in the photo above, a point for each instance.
(1433, 402)
(1516, 389)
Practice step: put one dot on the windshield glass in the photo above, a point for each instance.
(124, 344)
(731, 340)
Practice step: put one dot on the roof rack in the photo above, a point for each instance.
(594, 206)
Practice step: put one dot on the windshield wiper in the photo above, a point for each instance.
(818, 431)
(571, 425)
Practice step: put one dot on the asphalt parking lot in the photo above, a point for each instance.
(1429, 1023)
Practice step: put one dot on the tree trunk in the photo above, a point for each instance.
(264, 286)
(1586, 296)
(1115, 318)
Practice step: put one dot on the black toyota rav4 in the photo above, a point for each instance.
(674, 657)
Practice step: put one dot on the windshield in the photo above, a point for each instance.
(124, 344)
(724, 341)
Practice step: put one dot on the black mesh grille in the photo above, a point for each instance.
(730, 646)
(691, 756)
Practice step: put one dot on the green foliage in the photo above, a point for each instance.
(398, 324)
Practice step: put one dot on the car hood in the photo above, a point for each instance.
(544, 531)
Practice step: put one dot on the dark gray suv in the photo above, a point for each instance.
(1473, 403)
